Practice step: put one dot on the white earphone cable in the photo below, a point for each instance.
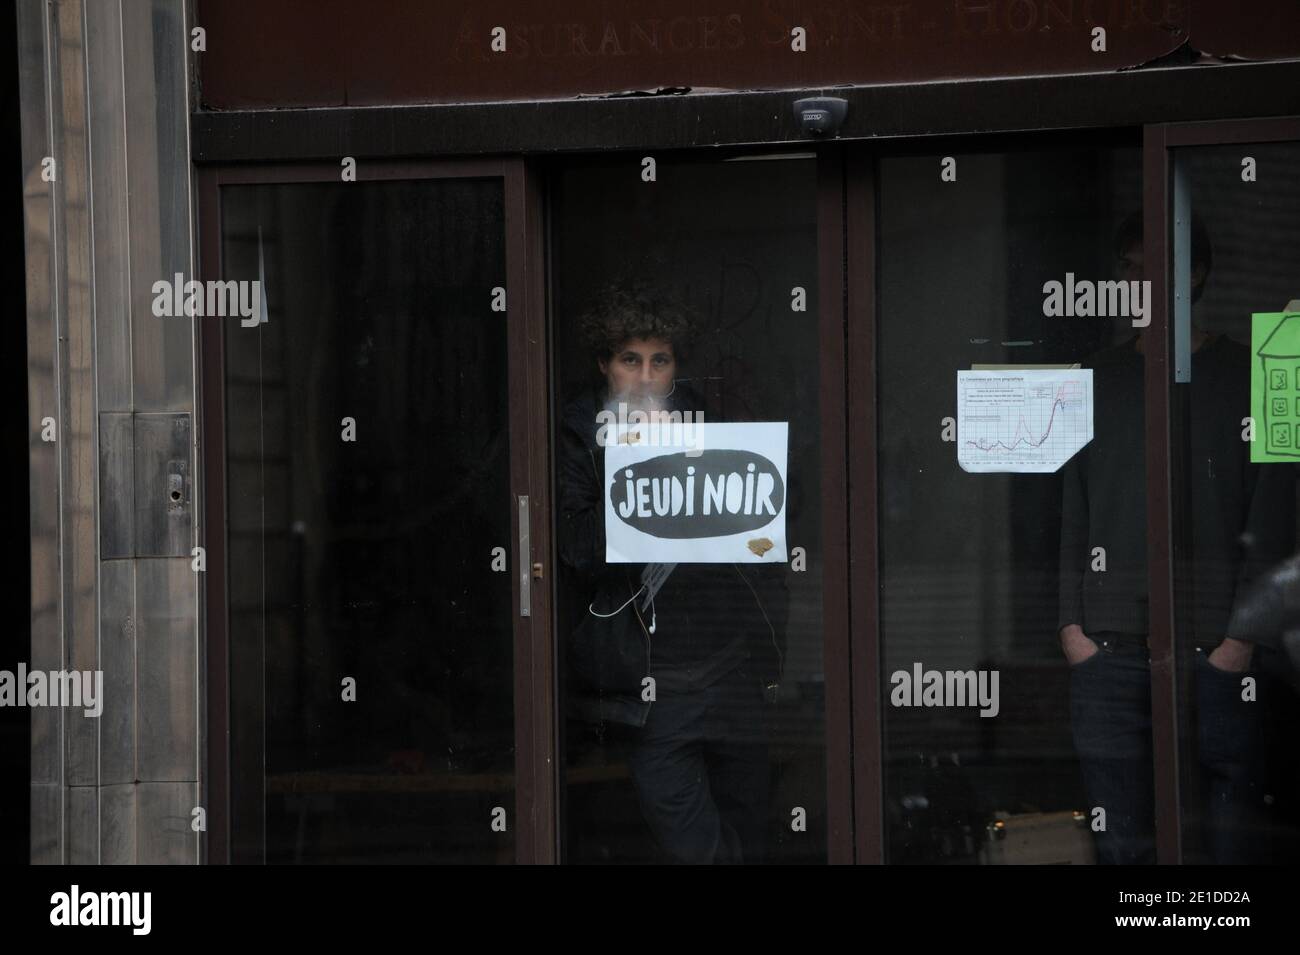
(591, 608)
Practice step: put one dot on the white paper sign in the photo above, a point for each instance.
(696, 493)
(1029, 420)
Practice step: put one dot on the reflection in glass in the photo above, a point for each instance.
(368, 485)
(682, 304)
(1237, 683)
(983, 575)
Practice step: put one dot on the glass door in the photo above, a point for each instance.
(1232, 268)
(1000, 650)
(697, 335)
(374, 519)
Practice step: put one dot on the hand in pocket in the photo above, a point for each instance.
(1077, 645)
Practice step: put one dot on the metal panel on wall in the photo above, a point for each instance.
(163, 476)
(104, 103)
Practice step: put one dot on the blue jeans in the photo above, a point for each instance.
(1110, 714)
(700, 766)
(1228, 734)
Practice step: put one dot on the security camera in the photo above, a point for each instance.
(820, 114)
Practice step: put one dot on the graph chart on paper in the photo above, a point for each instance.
(1029, 420)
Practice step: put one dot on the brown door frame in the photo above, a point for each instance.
(1166, 537)
(837, 564)
(860, 306)
(1164, 534)
(535, 701)
(832, 406)
(533, 659)
(846, 227)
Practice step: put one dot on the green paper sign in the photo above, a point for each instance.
(1275, 386)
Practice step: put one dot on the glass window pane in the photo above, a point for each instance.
(1012, 546)
(714, 314)
(368, 482)
(1238, 688)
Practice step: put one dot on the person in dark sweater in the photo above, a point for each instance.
(1242, 521)
(714, 632)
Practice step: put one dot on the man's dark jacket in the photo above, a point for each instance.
(1241, 514)
(709, 618)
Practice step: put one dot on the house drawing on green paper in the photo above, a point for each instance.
(1280, 356)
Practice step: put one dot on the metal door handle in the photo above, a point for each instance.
(525, 561)
(1182, 310)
